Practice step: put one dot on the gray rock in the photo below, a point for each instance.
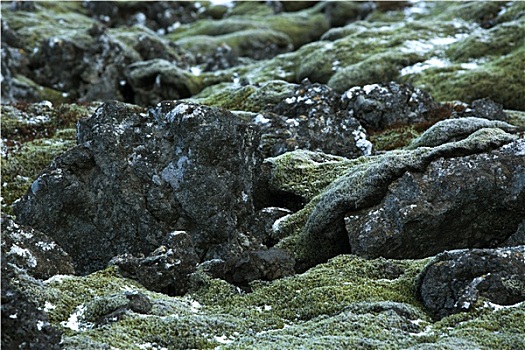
(164, 270)
(454, 280)
(517, 238)
(379, 106)
(364, 189)
(267, 264)
(158, 79)
(106, 309)
(134, 177)
(312, 119)
(33, 251)
(456, 129)
(474, 201)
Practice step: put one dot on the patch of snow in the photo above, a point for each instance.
(195, 306)
(260, 119)
(46, 246)
(40, 324)
(361, 142)
(25, 253)
(48, 306)
(222, 339)
(276, 225)
(433, 62)
(57, 278)
(290, 100)
(13, 316)
(73, 320)
(195, 70)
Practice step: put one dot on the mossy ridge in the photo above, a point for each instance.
(498, 79)
(43, 23)
(500, 328)
(21, 166)
(305, 173)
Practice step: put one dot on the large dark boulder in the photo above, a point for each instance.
(459, 194)
(136, 175)
(473, 201)
(454, 280)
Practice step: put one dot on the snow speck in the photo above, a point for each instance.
(73, 320)
(24, 253)
(57, 278)
(290, 100)
(46, 246)
(195, 70)
(433, 62)
(48, 306)
(260, 119)
(361, 142)
(276, 225)
(222, 339)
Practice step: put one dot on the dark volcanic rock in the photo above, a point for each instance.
(453, 281)
(164, 270)
(33, 251)
(379, 106)
(66, 64)
(134, 177)
(267, 265)
(474, 201)
(393, 206)
(311, 119)
(24, 326)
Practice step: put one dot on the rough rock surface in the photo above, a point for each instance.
(135, 177)
(365, 185)
(455, 280)
(24, 324)
(380, 106)
(166, 269)
(33, 251)
(321, 84)
(472, 201)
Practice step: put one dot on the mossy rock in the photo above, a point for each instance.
(36, 133)
(500, 80)
(250, 98)
(253, 43)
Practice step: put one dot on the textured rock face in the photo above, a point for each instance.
(33, 251)
(24, 325)
(135, 176)
(474, 201)
(365, 184)
(164, 270)
(454, 281)
(380, 106)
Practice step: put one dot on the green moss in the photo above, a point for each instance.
(35, 134)
(305, 173)
(50, 19)
(251, 98)
(499, 79)
(498, 41)
(502, 328)
(21, 166)
(246, 43)
(394, 138)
